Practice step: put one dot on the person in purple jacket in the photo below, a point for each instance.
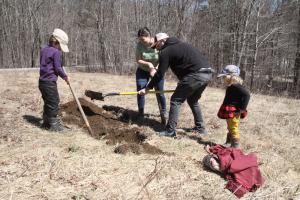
(50, 69)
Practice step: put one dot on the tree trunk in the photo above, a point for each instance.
(297, 59)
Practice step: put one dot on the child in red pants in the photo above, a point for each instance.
(234, 104)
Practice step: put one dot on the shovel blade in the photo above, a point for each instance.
(94, 95)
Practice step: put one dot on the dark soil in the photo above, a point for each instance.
(108, 125)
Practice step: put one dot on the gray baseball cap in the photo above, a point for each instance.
(230, 70)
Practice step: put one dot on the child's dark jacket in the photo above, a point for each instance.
(236, 100)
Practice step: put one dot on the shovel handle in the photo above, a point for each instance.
(150, 91)
(81, 110)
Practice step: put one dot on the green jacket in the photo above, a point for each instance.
(147, 54)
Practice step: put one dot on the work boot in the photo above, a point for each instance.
(167, 133)
(55, 125)
(45, 124)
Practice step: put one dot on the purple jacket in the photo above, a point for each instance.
(51, 64)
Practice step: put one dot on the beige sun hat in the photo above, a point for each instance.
(62, 38)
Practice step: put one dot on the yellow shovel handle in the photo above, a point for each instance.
(150, 91)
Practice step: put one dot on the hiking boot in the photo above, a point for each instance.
(45, 124)
(228, 140)
(167, 133)
(235, 143)
(55, 125)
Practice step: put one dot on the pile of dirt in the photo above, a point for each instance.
(107, 125)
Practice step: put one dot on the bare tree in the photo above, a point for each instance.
(262, 37)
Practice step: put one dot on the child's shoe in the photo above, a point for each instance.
(228, 141)
(235, 143)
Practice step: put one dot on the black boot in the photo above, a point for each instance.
(55, 125)
(45, 124)
(141, 114)
(228, 140)
(235, 143)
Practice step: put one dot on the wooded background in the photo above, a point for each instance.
(260, 36)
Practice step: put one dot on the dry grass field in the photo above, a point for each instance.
(37, 164)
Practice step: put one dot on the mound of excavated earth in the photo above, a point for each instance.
(107, 125)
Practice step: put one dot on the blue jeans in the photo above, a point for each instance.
(142, 78)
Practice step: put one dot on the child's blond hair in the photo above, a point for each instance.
(235, 79)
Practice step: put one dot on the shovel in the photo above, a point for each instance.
(81, 111)
(100, 96)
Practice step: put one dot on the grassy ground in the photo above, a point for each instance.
(36, 164)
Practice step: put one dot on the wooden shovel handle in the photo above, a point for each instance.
(81, 111)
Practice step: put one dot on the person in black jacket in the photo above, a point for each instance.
(193, 71)
(234, 104)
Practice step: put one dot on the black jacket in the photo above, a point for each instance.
(181, 57)
(237, 95)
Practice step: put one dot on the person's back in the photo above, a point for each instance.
(50, 64)
(183, 58)
(193, 72)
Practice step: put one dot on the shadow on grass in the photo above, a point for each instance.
(36, 121)
(132, 117)
(200, 139)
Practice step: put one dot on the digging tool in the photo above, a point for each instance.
(81, 111)
(100, 96)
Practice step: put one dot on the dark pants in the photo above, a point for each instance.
(190, 88)
(142, 78)
(51, 98)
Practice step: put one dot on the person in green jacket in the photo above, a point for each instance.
(147, 60)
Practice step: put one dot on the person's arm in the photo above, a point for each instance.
(163, 67)
(245, 97)
(139, 59)
(58, 66)
(149, 65)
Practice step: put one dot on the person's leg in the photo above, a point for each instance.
(228, 140)
(181, 93)
(161, 100)
(50, 96)
(43, 90)
(232, 126)
(196, 109)
(51, 106)
(142, 78)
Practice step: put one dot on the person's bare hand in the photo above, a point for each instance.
(67, 80)
(143, 92)
(152, 72)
